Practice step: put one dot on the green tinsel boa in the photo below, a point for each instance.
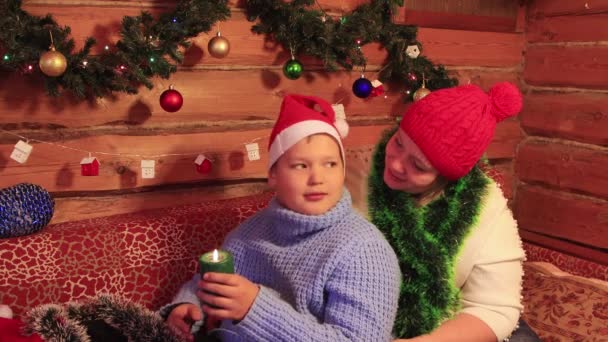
(427, 240)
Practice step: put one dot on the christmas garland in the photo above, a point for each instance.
(338, 41)
(427, 240)
(147, 48)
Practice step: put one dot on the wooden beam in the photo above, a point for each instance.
(80, 208)
(212, 98)
(520, 21)
(570, 168)
(455, 47)
(506, 138)
(555, 8)
(568, 28)
(576, 116)
(563, 215)
(215, 99)
(566, 247)
(457, 21)
(567, 66)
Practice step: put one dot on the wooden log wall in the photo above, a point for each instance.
(227, 103)
(562, 198)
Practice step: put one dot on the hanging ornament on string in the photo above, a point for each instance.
(362, 87)
(52, 63)
(378, 88)
(171, 100)
(89, 166)
(293, 68)
(412, 51)
(219, 46)
(422, 91)
(203, 164)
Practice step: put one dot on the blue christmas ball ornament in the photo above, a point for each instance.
(362, 87)
(24, 209)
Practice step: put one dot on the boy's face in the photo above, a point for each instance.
(309, 177)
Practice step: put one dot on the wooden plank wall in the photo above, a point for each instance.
(227, 103)
(562, 165)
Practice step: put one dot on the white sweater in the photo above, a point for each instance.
(489, 268)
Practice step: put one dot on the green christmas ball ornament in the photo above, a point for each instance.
(293, 69)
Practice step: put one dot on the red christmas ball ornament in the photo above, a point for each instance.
(171, 100)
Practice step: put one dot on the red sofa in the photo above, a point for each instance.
(146, 256)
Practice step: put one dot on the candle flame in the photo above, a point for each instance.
(216, 256)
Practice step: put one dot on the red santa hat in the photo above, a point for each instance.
(302, 116)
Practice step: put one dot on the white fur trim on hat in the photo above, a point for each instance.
(298, 131)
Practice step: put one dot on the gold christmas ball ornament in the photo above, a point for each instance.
(53, 63)
(421, 93)
(219, 46)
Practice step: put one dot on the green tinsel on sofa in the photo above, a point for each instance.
(427, 240)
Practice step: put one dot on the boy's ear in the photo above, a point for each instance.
(272, 177)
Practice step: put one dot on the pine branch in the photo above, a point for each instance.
(146, 49)
(337, 42)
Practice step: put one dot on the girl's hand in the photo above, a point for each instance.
(226, 296)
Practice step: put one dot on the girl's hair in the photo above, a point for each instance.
(434, 191)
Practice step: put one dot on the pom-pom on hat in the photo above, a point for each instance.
(301, 116)
(454, 126)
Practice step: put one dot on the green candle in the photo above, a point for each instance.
(216, 261)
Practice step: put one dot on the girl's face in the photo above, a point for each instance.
(406, 167)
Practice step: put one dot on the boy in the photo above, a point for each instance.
(308, 267)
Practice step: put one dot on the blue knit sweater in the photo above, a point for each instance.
(331, 277)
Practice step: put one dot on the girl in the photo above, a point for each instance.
(457, 242)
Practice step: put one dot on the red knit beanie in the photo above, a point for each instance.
(454, 126)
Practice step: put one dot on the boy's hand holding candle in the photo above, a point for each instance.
(224, 295)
